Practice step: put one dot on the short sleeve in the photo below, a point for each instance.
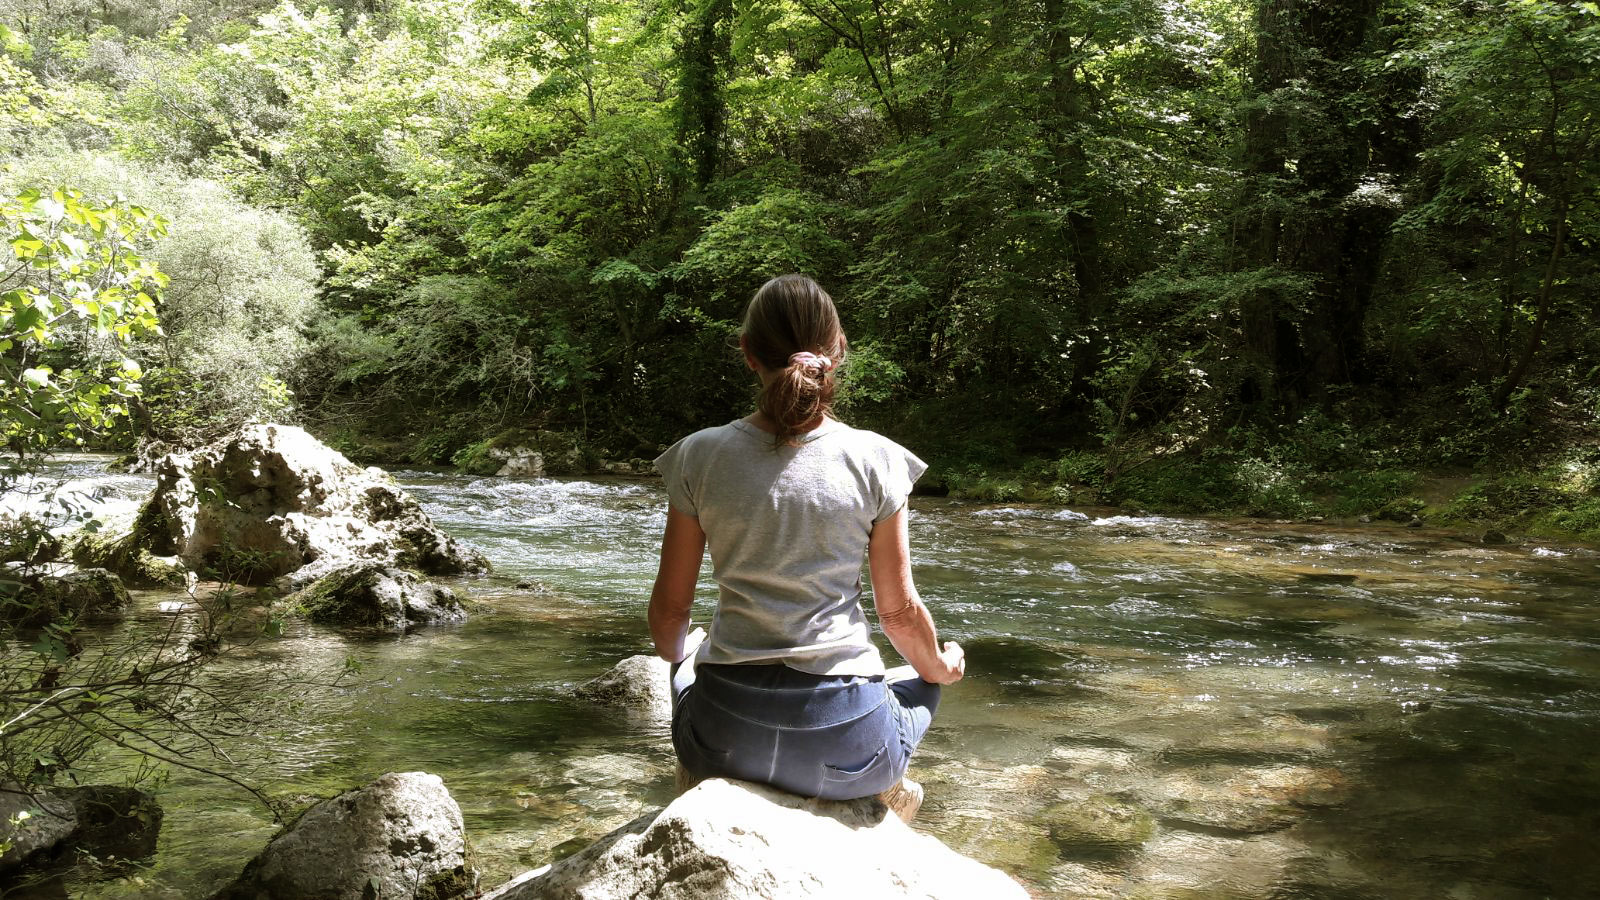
(901, 469)
(671, 465)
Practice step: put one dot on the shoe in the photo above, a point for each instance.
(904, 799)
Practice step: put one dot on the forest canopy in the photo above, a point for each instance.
(1271, 236)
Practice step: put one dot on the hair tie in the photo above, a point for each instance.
(810, 360)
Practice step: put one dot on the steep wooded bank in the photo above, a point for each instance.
(1218, 255)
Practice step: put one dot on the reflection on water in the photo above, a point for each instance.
(1154, 707)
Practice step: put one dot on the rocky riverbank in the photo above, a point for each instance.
(402, 836)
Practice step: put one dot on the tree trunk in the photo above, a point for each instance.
(1068, 107)
(1330, 235)
(702, 111)
(1536, 337)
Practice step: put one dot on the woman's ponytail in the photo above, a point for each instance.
(792, 329)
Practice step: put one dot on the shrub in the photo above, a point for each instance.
(242, 288)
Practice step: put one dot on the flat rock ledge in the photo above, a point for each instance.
(400, 836)
(733, 840)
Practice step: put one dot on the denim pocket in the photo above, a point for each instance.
(693, 749)
(865, 773)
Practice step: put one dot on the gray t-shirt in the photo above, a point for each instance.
(787, 528)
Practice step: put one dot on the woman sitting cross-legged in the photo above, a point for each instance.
(787, 687)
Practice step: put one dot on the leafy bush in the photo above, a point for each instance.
(79, 296)
(1365, 492)
(243, 286)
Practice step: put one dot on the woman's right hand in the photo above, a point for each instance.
(955, 660)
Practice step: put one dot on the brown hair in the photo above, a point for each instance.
(792, 314)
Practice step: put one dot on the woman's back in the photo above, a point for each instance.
(787, 688)
(787, 527)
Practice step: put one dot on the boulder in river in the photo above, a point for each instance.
(63, 592)
(636, 687)
(518, 461)
(527, 453)
(122, 555)
(106, 820)
(42, 821)
(372, 595)
(269, 499)
(400, 836)
(735, 840)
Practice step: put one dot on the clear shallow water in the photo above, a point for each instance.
(1248, 710)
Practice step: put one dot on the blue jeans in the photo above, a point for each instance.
(837, 737)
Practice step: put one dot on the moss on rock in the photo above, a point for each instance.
(372, 595)
(123, 555)
(84, 594)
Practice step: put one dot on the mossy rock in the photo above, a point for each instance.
(84, 594)
(122, 554)
(1099, 823)
(474, 459)
(564, 452)
(123, 463)
(154, 530)
(1401, 509)
(458, 882)
(372, 595)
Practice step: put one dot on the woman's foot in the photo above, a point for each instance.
(904, 799)
(684, 781)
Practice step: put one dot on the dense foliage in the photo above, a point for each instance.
(1265, 236)
(76, 293)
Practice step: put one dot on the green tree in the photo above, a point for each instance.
(78, 292)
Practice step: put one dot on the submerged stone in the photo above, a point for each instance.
(1000, 838)
(1099, 822)
(115, 820)
(1247, 800)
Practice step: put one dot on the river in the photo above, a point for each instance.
(1153, 707)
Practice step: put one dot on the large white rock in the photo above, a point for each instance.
(732, 840)
(400, 836)
(269, 499)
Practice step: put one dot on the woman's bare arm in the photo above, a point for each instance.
(683, 546)
(905, 620)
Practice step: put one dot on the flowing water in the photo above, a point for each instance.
(1153, 707)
